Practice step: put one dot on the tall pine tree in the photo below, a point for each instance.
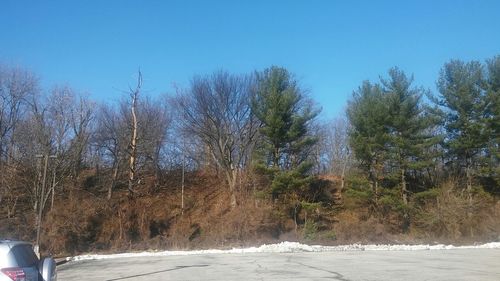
(463, 98)
(285, 115)
(493, 120)
(368, 114)
(409, 129)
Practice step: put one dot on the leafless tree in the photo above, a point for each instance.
(110, 138)
(34, 138)
(154, 119)
(82, 116)
(114, 132)
(69, 117)
(134, 127)
(17, 85)
(34, 141)
(216, 110)
(337, 155)
(60, 103)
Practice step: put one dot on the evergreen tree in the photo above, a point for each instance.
(285, 115)
(463, 97)
(409, 128)
(493, 118)
(368, 114)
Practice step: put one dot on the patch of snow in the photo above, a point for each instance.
(288, 247)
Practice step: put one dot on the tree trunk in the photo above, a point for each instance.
(133, 151)
(41, 203)
(374, 178)
(133, 138)
(276, 157)
(232, 177)
(182, 183)
(404, 195)
(404, 191)
(11, 210)
(342, 183)
(468, 173)
(53, 189)
(374, 184)
(113, 179)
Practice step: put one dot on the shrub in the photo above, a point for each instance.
(446, 212)
(310, 230)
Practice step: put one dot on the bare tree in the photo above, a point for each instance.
(152, 134)
(16, 87)
(111, 139)
(134, 94)
(69, 117)
(35, 142)
(34, 137)
(337, 155)
(81, 120)
(60, 104)
(216, 109)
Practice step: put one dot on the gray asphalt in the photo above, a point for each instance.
(471, 264)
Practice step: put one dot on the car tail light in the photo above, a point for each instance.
(14, 273)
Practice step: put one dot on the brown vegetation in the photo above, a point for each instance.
(87, 222)
(242, 160)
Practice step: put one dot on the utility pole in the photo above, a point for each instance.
(42, 199)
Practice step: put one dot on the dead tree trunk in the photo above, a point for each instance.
(344, 168)
(133, 138)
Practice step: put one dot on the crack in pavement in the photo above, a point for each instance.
(338, 276)
(259, 267)
(160, 271)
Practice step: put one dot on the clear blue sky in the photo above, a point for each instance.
(331, 46)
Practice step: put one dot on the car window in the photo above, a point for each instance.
(24, 256)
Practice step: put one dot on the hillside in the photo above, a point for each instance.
(87, 222)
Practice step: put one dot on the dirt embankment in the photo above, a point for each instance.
(87, 222)
(156, 220)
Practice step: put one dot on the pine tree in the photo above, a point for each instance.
(285, 115)
(493, 119)
(368, 113)
(409, 129)
(463, 97)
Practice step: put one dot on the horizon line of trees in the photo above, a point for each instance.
(407, 146)
(401, 137)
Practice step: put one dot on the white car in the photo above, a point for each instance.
(18, 262)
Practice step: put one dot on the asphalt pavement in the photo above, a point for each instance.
(463, 264)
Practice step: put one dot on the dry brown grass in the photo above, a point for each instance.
(87, 222)
(447, 213)
(353, 227)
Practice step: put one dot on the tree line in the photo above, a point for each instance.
(401, 138)
(410, 140)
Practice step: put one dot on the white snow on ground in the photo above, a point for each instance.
(289, 247)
